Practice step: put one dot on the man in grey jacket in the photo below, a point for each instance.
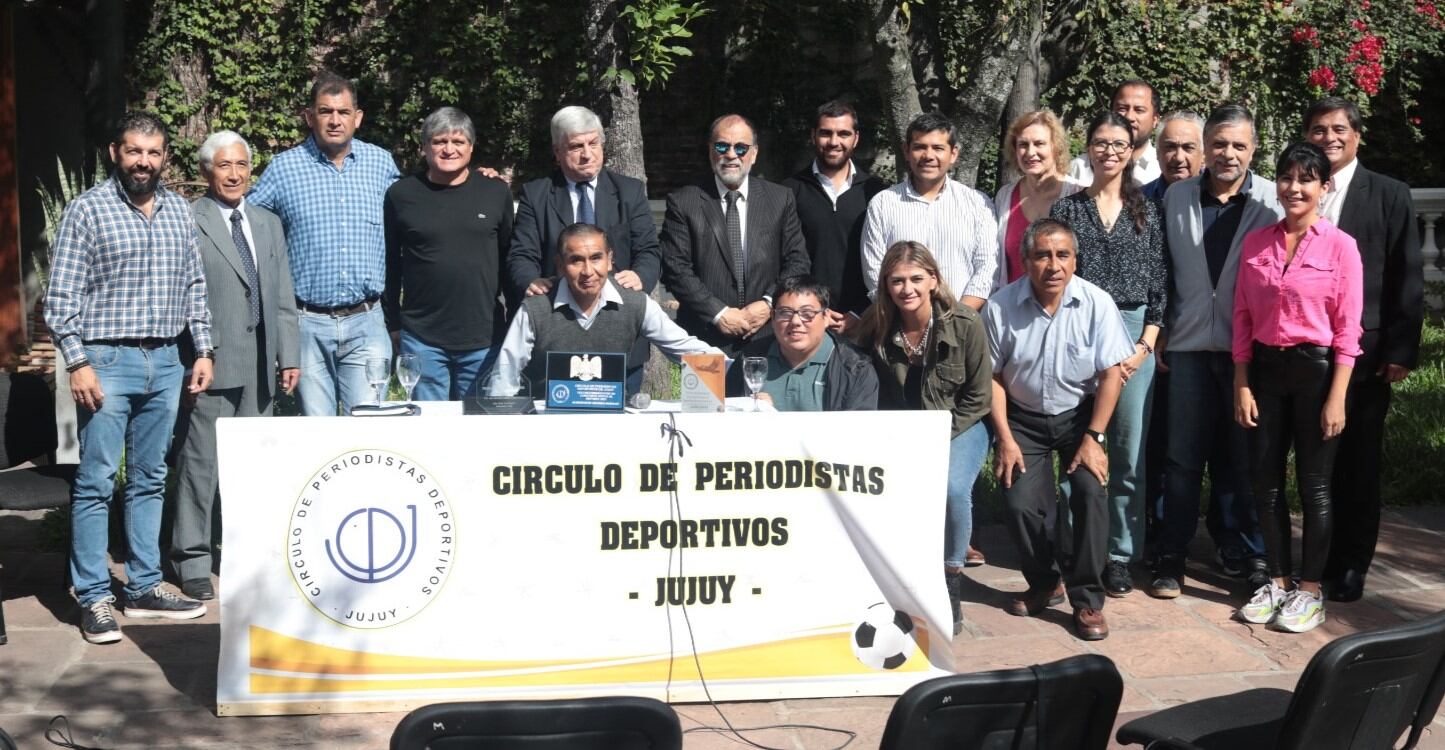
(1206, 218)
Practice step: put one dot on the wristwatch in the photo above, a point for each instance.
(1096, 436)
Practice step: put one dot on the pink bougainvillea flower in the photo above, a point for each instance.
(1323, 78)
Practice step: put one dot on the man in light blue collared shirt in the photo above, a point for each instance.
(1056, 342)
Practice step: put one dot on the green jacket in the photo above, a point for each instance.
(958, 376)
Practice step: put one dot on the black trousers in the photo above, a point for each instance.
(1290, 386)
(1356, 489)
(1034, 495)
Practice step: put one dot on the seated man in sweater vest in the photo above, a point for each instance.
(589, 313)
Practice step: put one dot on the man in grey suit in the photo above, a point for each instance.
(726, 242)
(254, 325)
(582, 191)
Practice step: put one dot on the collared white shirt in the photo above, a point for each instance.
(517, 348)
(827, 182)
(591, 193)
(957, 227)
(1332, 201)
(226, 212)
(1146, 168)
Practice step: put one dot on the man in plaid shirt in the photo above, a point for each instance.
(328, 192)
(126, 278)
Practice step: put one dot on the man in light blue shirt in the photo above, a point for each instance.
(1056, 343)
(328, 192)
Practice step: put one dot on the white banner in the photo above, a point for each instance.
(386, 563)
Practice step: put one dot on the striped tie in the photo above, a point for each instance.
(253, 280)
(735, 244)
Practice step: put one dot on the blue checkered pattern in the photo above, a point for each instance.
(116, 275)
(332, 219)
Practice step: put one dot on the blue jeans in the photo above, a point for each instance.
(446, 375)
(333, 359)
(1128, 428)
(142, 390)
(965, 457)
(1202, 431)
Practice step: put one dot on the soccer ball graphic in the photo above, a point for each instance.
(881, 640)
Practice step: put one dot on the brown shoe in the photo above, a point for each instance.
(1030, 603)
(973, 558)
(1090, 624)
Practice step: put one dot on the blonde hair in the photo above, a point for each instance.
(881, 318)
(1056, 135)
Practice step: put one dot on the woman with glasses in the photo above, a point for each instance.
(1297, 305)
(1121, 250)
(1038, 154)
(931, 353)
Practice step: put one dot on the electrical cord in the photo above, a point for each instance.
(58, 733)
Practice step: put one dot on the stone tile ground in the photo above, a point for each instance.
(157, 688)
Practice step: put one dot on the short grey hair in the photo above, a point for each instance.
(570, 121)
(217, 141)
(1185, 115)
(447, 120)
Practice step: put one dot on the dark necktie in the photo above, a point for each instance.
(585, 215)
(735, 244)
(253, 280)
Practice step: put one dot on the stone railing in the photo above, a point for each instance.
(1430, 207)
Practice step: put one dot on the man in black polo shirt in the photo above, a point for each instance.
(832, 195)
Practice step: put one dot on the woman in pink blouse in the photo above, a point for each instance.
(1297, 304)
(1037, 153)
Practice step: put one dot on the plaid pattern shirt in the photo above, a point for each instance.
(117, 275)
(332, 218)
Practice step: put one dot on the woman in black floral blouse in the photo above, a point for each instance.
(1121, 250)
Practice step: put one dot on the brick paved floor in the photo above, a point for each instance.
(157, 688)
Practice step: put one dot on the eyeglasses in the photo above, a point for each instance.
(1107, 146)
(741, 149)
(786, 314)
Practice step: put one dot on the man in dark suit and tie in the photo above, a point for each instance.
(726, 242)
(1377, 211)
(253, 327)
(582, 191)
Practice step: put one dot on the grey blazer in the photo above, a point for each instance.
(226, 296)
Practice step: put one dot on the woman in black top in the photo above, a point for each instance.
(1121, 250)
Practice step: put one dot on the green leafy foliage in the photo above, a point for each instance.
(652, 29)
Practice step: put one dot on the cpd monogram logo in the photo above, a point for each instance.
(371, 538)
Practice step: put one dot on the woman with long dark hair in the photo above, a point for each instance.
(1121, 250)
(931, 353)
(1297, 305)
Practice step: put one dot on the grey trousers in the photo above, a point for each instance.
(197, 482)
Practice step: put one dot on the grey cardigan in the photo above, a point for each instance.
(1199, 315)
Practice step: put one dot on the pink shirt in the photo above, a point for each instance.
(1316, 300)
(1013, 238)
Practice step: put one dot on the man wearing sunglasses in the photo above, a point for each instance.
(728, 239)
(810, 368)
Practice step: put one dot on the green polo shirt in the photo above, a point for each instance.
(800, 388)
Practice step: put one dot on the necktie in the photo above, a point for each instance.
(253, 280)
(585, 213)
(735, 244)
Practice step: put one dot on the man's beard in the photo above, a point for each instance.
(140, 186)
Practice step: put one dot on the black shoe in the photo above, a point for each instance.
(97, 623)
(1168, 577)
(1117, 581)
(955, 598)
(1231, 563)
(1258, 573)
(198, 588)
(158, 602)
(1349, 587)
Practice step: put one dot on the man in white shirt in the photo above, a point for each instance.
(1138, 102)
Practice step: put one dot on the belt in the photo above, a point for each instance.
(153, 342)
(1312, 351)
(340, 311)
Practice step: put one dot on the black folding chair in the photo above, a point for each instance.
(610, 723)
(1359, 692)
(1066, 705)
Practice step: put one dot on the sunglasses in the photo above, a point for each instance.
(741, 149)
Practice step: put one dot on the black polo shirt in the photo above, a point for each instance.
(1221, 221)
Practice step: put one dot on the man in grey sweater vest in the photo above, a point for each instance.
(1206, 218)
(589, 313)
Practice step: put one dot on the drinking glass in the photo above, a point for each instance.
(755, 372)
(378, 374)
(408, 373)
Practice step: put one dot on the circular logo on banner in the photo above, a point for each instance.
(370, 539)
(560, 393)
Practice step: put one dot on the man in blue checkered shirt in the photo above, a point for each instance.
(126, 278)
(328, 192)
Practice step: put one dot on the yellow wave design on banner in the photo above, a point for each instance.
(821, 655)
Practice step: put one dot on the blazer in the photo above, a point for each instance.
(545, 209)
(697, 264)
(227, 293)
(1380, 215)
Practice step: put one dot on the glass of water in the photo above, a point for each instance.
(408, 373)
(378, 374)
(755, 372)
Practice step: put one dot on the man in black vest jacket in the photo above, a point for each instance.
(832, 195)
(1377, 211)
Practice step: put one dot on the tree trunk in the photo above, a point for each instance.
(897, 86)
(613, 99)
(981, 101)
(1027, 85)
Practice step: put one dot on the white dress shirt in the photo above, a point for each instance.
(827, 182)
(1146, 168)
(591, 193)
(957, 227)
(226, 212)
(1333, 199)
